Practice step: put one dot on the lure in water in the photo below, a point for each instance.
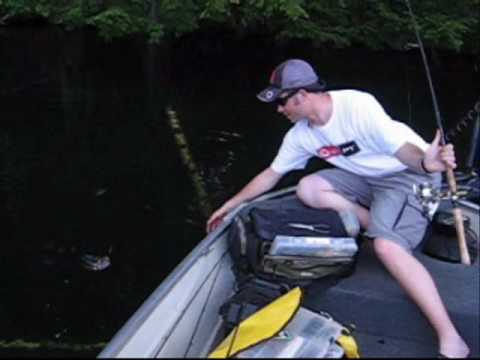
(95, 263)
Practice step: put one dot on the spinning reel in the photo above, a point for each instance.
(430, 196)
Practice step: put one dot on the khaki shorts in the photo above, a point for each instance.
(395, 212)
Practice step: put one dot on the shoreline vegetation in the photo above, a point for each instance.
(375, 24)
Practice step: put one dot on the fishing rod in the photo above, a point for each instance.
(457, 212)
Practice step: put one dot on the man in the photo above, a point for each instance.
(377, 160)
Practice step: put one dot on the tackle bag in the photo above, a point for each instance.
(252, 294)
(441, 242)
(284, 240)
(284, 329)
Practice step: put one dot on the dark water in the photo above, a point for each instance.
(89, 162)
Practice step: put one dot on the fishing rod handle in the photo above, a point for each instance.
(458, 217)
(452, 182)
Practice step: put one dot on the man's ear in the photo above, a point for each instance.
(296, 100)
(302, 92)
(299, 96)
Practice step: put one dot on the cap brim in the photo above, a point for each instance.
(272, 92)
(269, 94)
(317, 86)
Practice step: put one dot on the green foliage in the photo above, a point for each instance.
(373, 23)
(73, 17)
(440, 29)
(178, 16)
(114, 22)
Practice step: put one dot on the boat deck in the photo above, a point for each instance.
(386, 322)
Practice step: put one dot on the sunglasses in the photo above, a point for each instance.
(283, 98)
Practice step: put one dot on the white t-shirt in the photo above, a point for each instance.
(359, 137)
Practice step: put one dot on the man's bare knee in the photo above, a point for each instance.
(311, 186)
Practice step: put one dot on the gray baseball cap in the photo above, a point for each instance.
(291, 75)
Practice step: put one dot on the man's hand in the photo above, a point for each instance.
(217, 217)
(439, 158)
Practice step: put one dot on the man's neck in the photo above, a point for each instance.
(322, 109)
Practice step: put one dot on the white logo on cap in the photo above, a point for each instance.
(269, 94)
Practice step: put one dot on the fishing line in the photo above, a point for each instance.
(427, 69)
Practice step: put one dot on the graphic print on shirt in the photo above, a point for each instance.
(346, 149)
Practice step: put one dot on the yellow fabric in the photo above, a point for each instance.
(349, 345)
(261, 325)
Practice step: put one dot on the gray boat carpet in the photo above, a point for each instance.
(387, 323)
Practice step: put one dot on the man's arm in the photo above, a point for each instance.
(260, 184)
(435, 159)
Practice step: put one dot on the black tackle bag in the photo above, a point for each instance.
(252, 294)
(255, 228)
(441, 242)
